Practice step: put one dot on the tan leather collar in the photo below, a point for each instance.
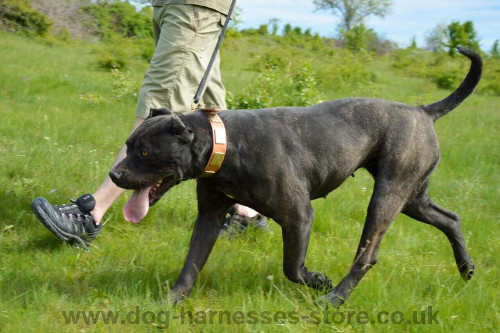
(219, 143)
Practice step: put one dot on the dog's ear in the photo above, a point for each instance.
(159, 112)
(178, 126)
(180, 129)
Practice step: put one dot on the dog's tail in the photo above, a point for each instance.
(444, 106)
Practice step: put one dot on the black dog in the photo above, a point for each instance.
(279, 159)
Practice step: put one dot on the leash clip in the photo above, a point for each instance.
(194, 105)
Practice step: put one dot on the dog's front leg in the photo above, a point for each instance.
(212, 208)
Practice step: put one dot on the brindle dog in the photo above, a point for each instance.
(279, 159)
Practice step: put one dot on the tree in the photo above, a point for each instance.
(287, 29)
(458, 34)
(235, 19)
(297, 31)
(413, 43)
(495, 52)
(434, 39)
(355, 39)
(263, 29)
(353, 12)
(274, 24)
(110, 19)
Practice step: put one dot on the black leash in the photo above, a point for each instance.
(203, 82)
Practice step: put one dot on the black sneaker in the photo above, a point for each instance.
(236, 223)
(72, 223)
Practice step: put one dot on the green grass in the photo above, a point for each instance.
(55, 143)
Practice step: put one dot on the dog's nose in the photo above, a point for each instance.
(115, 175)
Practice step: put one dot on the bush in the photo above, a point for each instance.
(346, 72)
(355, 39)
(490, 82)
(444, 70)
(447, 80)
(118, 18)
(123, 85)
(412, 61)
(304, 90)
(146, 48)
(110, 61)
(277, 84)
(115, 53)
(21, 16)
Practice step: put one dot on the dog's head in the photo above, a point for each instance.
(158, 152)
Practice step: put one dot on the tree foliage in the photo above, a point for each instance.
(449, 37)
(274, 24)
(434, 39)
(356, 38)
(361, 38)
(495, 52)
(458, 34)
(119, 18)
(19, 15)
(353, 12)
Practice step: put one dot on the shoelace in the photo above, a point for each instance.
(64, 208)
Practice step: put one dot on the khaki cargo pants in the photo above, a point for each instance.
(185, 37)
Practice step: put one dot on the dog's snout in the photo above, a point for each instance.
(115, 175)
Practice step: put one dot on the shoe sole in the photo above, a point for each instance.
(37, 206)
(235, 227)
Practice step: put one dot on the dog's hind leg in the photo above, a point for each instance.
(387, 200)
(423, 209)
(296, 228)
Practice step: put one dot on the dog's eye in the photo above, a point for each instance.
(144, 153)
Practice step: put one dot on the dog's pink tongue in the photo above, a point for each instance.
(137, 206)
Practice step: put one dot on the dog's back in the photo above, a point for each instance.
(327, 142)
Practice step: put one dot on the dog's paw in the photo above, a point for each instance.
(321, 282)
(173, 298)
(333, 299)
(322, 302)
(467, 271)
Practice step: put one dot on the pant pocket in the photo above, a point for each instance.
(207, 20)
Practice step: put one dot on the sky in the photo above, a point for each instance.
(407, 19)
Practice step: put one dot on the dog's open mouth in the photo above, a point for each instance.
(161, 187)
(138, 205)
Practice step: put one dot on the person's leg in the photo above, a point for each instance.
(108, 192)
(79, 221)
(209, 24)
(245, 211)
(185, 36)
(169, 80)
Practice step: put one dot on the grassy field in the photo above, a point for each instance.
(60, 127)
